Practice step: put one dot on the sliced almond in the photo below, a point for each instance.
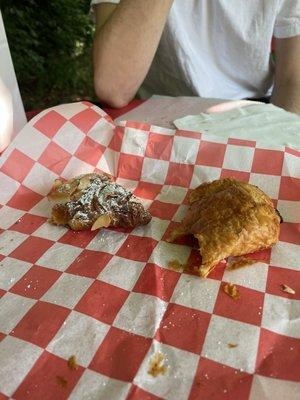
(102, 222)
(232, 345)
(287, 289)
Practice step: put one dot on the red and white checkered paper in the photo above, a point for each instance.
(108, 297)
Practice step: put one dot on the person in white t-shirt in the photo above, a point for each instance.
(207, 48)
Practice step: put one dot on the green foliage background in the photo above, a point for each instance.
(50, 43)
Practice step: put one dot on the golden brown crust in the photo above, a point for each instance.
(229, 218)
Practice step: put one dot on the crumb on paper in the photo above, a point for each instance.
(61, 381)
(157, 365)
(287, 289)
(231, 290)
(232, 345)
(240, 262)
(72, 363)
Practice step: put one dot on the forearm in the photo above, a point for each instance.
(124, 48)
(287, 96)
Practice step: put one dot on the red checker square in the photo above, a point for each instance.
(239, 175)
(242, 142)
(117, 139)
(289, 189)
(90, 151)
(50, 123)
(36, 282)
(267, 162)
(102, 301)
(50, 378)
(157, 281)
(147, 190)
(130, 167)
(246, 309)
(188, 134)
(211, 154)
(262, 255)
(220, 382)
(159, 146)
(143, 126)
(2, 293)
(290, 233)
(183, 327)
(54, 158)
(137, 248)
(136, 393)
(279, 276)
(120, 354)
(2, 336)
(89, 263)
(3, 397)
(278, 356)
(31, 249)
(41, 323)
(78, 238)
(179, 174)
(17, 166)
(85, 120)
(28, 223)
(24, 199)
(163, 210)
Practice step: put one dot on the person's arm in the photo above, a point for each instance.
(286, 93)
(126, 38)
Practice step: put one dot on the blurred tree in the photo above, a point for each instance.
(50, 43)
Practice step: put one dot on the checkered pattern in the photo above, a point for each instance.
(108, 297)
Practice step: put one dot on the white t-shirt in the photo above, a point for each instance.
(219, 48)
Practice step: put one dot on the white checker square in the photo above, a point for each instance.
(172, 194)
(70, 109)
(25, 139)
(238, 158)
(154, 171)
(80, 335)
(222, 331)
(59, 256)
(270, 184)
(193, 292)
(165, 252)
(11, 270)
(50, 231)
(141, 314)
(134, 141)
(281, 315)
(162, 131)
(286, 255)
(289, 210)
(291, 165)
(12, 309)
(69, 137)
(253, 276)
(10, 185)
(180, 213)
(67, 290)
(204, 174)
(8, 216)
(264, 388)
(213, 138)
(107, 241)
(18, 358)
(121, 272)
(40, 179)
(109, 162)
(42, 208)
(76, 167)
(176, 383)
(10, 240)
(102, 132)
(184, 150)
(94, 386)
(154, 229)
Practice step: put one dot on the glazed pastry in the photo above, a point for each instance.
(229, 218)
(93, 201)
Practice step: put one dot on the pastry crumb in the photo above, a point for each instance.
(240, 262)
(232, 345)
(177, 266)
(72, 363)
(231, 290)
(157, 365)
(287, 289)
(61, 381)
